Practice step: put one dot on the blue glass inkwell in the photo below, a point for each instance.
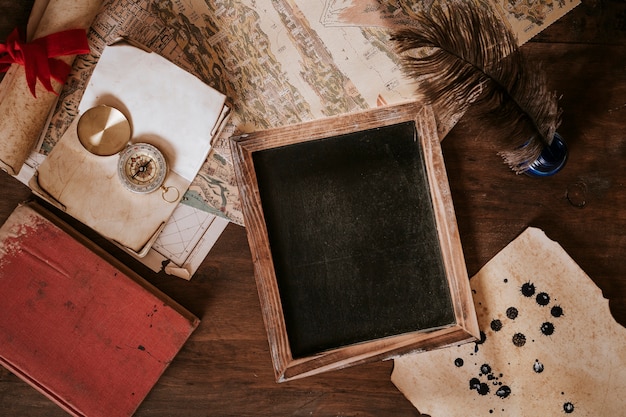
(551, 160)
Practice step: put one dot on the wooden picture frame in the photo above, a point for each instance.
(356, 250)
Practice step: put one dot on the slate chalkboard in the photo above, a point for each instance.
(353, 236)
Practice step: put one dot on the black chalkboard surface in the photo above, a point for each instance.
(354, 241)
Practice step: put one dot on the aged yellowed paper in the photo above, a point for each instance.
(549, 345)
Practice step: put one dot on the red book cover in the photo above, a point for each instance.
(91, 336)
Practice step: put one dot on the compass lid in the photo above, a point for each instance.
(103, 130)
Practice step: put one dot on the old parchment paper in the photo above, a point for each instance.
(22, 116)
(177, 117)
(549, 344)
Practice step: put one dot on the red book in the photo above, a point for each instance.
(91, 336)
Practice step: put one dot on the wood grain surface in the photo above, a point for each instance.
(226, 370)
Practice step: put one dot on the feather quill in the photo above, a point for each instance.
(463, 56)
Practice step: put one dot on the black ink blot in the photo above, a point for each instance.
(480, 387)
(538, 366)
(543, 299)
(506, 280)
(496, 325)
(485, 369)
(504, 391)
(458, 362)
(483, 337)
(528, 289)
(568, 407)
(556, 311)
(547, 328)
(519, 339)
(511, 313)
(474, 383)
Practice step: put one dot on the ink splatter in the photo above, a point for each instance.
(485, 369)
(511, 313)
(506, 280)
(480, 387)
(528, 289)
(519, 339)
(458, 362)
(547, 328)
(504, 391)
(496, 325)
(538, 366)
(483, 338)
(568, 407)
(556, 311)
(543, 299)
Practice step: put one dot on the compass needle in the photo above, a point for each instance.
(141, 167)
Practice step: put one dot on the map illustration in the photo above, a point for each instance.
(279, 62)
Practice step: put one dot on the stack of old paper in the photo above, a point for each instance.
(549, 345)
(169, 108)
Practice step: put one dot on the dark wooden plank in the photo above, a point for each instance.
(592, 22)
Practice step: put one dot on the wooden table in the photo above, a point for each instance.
(225, 368)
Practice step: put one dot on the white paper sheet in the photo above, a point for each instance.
(166, 105)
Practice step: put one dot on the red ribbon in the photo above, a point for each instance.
(38, 56)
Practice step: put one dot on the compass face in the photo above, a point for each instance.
(142, 168)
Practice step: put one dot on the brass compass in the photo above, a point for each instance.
(141, 168)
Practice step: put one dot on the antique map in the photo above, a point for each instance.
(279, 62)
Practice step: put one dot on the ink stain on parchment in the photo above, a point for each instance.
(512, 313)
(519, 339)
(556, 311)
(528, 310)
(496, 325)
(547, 328)
(528, 289)
(543, 299)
